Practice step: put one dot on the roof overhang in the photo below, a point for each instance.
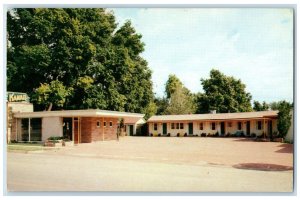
(78, 113)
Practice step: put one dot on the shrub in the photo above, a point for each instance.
(239, 134)
(216, 134)
(185, 134)
(203, 134)
(178, 134)
(253, 135)
(55, 138)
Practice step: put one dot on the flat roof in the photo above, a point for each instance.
(77, 113)
(217, 116)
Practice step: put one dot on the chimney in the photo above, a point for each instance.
(213, 111)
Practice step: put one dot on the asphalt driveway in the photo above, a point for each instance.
(156, 164)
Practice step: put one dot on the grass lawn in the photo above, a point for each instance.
(24, 147)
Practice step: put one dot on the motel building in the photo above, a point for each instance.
(248, 123)
(79, 126)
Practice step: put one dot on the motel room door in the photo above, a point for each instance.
(270, 129)
(222, 128)
(164, 128)
(190, 128)
(131, 130)
(248, 128)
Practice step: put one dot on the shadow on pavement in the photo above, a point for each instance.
(286, 148)
(262, 167)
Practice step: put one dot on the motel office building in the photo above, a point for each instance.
(80, 126)
(259, 123)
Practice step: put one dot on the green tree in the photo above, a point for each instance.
(83, 49)
(180, 103)
(284, 118)
(257, 106)
(162, 104)
(51, 94)
(223, 94)
(171, 85)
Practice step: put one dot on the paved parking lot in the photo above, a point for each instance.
(156, 164)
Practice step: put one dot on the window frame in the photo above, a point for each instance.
(98, 123)
(172, 125)
(259, 123)
(181, 125)
(201, 126)
(155, 126)
(213, 126)
(239, 125)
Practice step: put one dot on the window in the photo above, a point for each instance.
(201, 126)
(239, 125)
(104, 124)
(155, 126)
(110, 124)
(213, 126)
(181, 125)
(259, 125)
(177, 125)
(172, 126)
(229, 124)
(98, 124)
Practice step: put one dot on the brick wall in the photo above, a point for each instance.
(90, 132)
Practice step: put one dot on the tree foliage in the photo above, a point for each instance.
(180, 103)
(162, 104)
(257, 106)
(51, 94)
(85, 51)
(284, 117)
(223, 94)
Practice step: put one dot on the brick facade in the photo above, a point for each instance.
(92, 129)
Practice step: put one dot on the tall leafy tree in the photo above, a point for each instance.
(257, 106)
(180, 103)
(162, 104)
(85, 51)
(171, 85)
(223, 94)
(53, 94)
(284, 117)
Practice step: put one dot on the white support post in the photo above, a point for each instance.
(29, 129)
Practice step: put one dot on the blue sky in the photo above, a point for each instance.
(254, 45)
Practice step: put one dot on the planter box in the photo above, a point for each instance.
(49, 144)
(68, 143)
(278, 140)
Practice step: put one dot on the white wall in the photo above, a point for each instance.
(51, 126)
(207, 127)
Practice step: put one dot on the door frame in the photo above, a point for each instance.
(248, 128)
(223, 130)
(191, 128)
(165, 128)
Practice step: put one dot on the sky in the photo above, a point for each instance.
(251, 44)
